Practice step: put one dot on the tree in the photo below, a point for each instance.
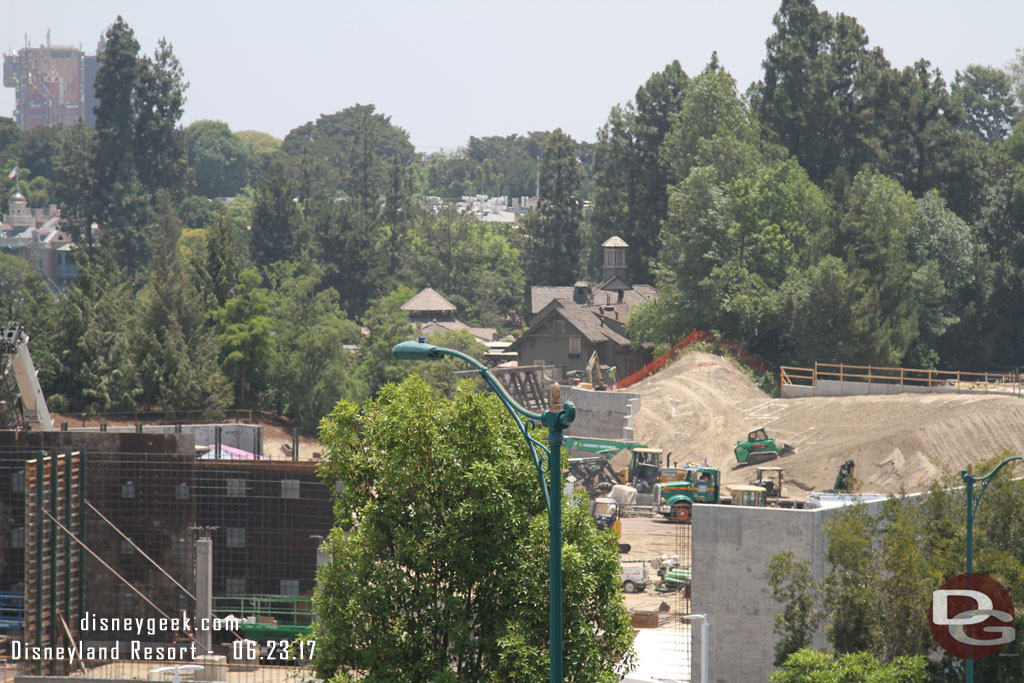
(139, 149)
(175, 348)
(553, 232)
(359, 143)
(630, 182)
(74, 184)
(810, 96)
(97, 370)
(438, 566)
(809, 666)
(262, 149)
(987, 96)
(275, 219)
(473, 264)
(313, 364)
(793, 585)
(387, 324)
(245, 333)
(219, 158)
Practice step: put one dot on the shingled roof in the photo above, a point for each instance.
(428, 300)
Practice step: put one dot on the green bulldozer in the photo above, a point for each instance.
(758, 448)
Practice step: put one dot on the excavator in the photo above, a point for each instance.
(22, 405)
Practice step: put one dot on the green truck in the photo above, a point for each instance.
(674, 500)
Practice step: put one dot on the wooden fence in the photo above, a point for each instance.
(859, 379)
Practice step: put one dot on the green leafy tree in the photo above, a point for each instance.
(359, 143)
(553, 231)
(245, 333)
(987, 96)
(313, 363)
(276, 219)
(794, 586)
(97, 370)
(262, 149)
(176, 350)
(474, 264)
(387, 324)
(74, 184)
(630, 196)
(139, 149)
(809, 666)
(853, 587)
(25, 298)
(810, 97)
(219, 158)
(439, 553)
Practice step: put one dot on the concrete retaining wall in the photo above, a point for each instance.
(244, 436)
(731, 549)
(831, 387)
(602, 414)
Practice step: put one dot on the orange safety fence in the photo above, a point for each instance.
(696, 337)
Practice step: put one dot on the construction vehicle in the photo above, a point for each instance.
(746, 495)
(674, 500)
(605, 512)
(594, 474)
(758, 448)
(22, 405)
(845, 483)
(647, 466)
(771, 479)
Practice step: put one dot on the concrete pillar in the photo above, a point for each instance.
(204, 592)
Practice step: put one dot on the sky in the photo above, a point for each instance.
(450, 69)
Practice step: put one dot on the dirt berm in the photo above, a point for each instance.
(701, 405)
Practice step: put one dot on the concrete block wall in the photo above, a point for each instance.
(602, 414)
(831, 387)
(731, 549)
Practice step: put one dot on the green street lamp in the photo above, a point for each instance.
(972, 507)
(556, 422)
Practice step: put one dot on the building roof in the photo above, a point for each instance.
(614, 241)
(428, 300)
(634, 295)
(587, 320)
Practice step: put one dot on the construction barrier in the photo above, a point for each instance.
(696, 337)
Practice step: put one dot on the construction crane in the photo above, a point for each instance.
(34, 413)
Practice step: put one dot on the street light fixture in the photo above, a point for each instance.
(972, 507)
(556, 422)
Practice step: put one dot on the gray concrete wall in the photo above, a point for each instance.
(831, 387)
(602, 414)
(731, 549)
(245, 436)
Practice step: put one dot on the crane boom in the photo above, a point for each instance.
(14, 344)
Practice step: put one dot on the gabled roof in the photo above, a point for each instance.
(542, 296)
(428, 300)
(586, 320)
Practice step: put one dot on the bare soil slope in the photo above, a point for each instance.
(701, 404)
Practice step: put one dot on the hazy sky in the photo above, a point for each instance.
(446, 70)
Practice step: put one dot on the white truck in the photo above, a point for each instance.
(635, 576)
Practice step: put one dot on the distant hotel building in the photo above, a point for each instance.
(53, 85)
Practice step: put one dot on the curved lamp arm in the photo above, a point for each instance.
(554, 421)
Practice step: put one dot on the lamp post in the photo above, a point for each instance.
(556, 422)
(972, 506)
(703, 644)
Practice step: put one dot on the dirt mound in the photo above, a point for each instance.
(699, 406)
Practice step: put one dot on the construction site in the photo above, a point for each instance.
(106, 520)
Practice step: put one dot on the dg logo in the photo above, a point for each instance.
(972, 616)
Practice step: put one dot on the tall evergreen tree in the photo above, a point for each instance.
(553, 232)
